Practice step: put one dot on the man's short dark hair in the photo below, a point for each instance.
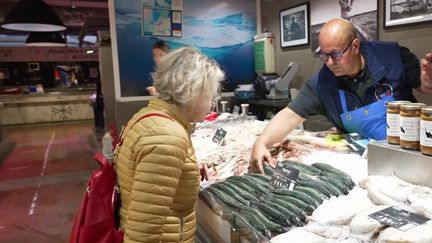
(160, 45)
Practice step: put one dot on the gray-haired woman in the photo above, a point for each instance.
(155, 164)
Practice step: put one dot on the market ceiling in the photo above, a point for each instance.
(85, 17)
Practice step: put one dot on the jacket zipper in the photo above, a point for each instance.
(181, 228)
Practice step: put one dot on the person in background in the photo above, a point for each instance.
(155, 164)
(2, 77)
(61, 77)
(351, 89)
(426, 72)
(159, 49)
(73, 81)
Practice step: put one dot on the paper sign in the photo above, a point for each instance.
(284, 177)
(357, 143)
(398, 218)
(219, 136)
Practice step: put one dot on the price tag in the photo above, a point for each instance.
(357, 143)
(219, 136)
(284, 177)
(398, 218)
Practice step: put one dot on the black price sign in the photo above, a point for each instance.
(219, 136)
(357, 143)
(398, 218)
(284, 177)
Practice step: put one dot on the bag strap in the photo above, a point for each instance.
(119, 142)
(101, 159)
(120, 137)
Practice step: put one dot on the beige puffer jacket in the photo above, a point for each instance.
(158, 177)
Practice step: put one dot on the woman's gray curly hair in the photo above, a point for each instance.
(184, 75)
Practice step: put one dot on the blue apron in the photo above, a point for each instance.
(369, 121)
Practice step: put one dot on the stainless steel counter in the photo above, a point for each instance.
(409, 165)
(218, 229)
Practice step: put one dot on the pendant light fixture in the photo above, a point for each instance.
(45, 39)
(32, 15)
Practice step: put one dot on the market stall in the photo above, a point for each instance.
(46, 107)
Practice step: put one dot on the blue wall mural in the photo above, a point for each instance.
(222, 30)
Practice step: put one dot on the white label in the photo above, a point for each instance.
(393, 126)
(426, 133)
(410, 129)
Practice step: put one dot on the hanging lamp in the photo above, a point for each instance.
(45, 39)
(34, 16)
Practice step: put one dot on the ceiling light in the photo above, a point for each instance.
(72, 5)
(32, 15)
(45, 39)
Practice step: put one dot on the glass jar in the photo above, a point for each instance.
(409, 136)
(224, 105)
(393, 125)
(426, 130)
(244, 109)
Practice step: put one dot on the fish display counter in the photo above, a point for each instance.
(332, 200)
(228, 159)
(325, 206)
(248, 208)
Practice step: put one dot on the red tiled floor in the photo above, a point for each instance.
(42, 181)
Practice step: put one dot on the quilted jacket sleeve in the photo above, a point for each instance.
(155, 183)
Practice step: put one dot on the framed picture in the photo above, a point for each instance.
(294, 25)
(156, 22)
(363, 14)
(404, 12)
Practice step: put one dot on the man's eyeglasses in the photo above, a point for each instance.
(335, 55)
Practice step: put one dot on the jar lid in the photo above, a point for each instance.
(412, 106)
(427, 109)
(397, 103)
